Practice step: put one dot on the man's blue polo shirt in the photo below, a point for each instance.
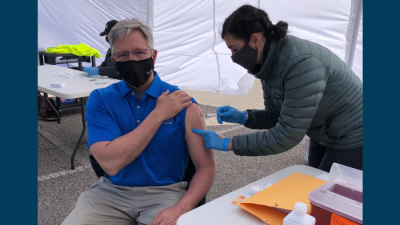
(115, 111)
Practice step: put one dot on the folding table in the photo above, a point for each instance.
(77, 86)
(221, 211)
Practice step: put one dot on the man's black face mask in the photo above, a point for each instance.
(246, 57)
(107, 39)
(135, 73)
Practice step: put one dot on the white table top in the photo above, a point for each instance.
(77, 85)
(221, 211)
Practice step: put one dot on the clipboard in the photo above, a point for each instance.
(274, 203)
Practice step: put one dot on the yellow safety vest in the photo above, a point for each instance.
(79, 50)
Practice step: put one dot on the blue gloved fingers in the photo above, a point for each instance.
(243, 117)
(226, 143)
(218, 115)
(212, 140)
(222, 110)
(201, 132)
(227, 114)
(207, 140)
(91, 70)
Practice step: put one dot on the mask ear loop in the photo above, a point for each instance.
(152, 53)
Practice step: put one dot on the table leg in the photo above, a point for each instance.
(41, 60)
(58, 103)
(80, 138)
(93, 61)
(52, 106)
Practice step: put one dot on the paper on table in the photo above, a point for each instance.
(267, 214)
(57, 85)
(284, 194)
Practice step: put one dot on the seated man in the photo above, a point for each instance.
(139, 130)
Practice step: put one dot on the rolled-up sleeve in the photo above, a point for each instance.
(100, 125)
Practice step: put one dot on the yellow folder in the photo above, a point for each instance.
(282, 195)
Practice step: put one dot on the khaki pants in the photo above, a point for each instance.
(107, 203)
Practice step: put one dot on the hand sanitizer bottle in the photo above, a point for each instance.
(299, 216)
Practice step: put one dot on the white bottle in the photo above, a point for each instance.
(299, 216)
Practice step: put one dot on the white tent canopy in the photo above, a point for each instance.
(191, 53)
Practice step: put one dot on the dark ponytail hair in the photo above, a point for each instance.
(247, 20)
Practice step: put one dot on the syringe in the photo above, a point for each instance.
(209, 115)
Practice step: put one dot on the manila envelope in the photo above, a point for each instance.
(282, 195)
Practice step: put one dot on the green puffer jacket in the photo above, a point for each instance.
(307, 90)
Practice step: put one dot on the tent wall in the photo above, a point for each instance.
(81, 21)
(357, 66)
(191, 53)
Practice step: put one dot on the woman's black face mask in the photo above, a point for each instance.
(135, 73)
(246, 57)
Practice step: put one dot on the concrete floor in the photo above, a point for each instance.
(59, 187)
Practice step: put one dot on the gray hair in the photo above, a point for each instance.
(124, 27)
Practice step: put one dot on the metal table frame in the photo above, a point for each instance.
(50, 58)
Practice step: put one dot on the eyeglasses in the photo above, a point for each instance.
(138, 54)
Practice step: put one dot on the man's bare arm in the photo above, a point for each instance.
(204, 161)
(115, 155)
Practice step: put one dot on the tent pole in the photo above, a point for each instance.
(215, 52)
(150, 13)
(352, 30)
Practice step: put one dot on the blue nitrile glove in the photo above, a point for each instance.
(231, 115)
(91, 71)
(213, 140)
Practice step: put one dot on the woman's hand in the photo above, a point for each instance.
(212, 140)
(231, 115)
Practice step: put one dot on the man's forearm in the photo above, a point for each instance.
(199, 186)
(123, 150)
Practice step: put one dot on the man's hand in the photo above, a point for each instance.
(169, 105)
(168, 216)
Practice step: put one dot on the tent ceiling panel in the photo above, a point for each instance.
(223, 9)
(75, 11)
(191, 53)
(194, 16)
(105, 11)
(324, 22)
(185, 71)
(184, 43)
